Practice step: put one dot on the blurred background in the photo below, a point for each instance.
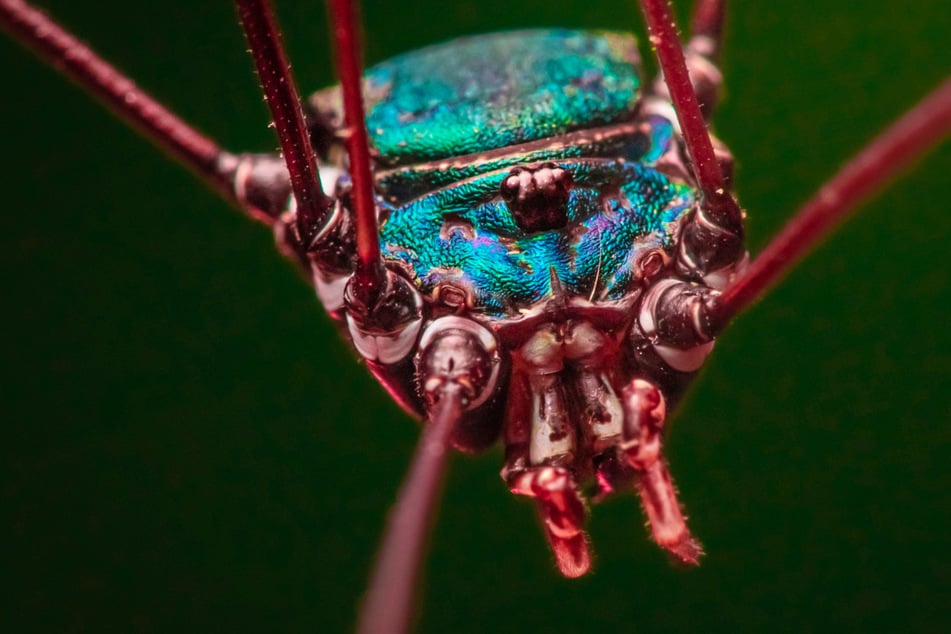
(189, 446)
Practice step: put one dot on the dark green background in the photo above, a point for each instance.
(188, 446)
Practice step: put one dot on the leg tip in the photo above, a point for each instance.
(685, 550)
(572, 555)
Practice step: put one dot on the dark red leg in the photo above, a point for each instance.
(719, 205)
(920, 129)
(368, 280)
(701, 55)
(283, 100)
(81, 64)
(457, 369)
(388, 607)
(378, 301)
(926, 125)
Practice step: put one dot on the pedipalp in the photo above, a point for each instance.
(645, 413)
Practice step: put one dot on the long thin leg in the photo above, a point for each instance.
(368, 279)
(159, 125)
(920, 129)
(377, 300)
(283, 100)
(388, 608)
(456, 370)
(720, 207)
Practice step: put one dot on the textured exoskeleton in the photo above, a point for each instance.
(534, 201)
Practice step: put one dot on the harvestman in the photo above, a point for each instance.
(389, 602)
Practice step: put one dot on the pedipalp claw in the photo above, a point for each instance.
(562, 513)
(644, 417)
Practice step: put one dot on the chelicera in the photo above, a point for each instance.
(455, 362)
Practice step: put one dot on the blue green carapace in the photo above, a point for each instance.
(448, 123)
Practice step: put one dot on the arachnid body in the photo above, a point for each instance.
(776, 440)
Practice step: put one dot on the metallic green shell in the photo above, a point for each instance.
(482, 93)
(449, 122)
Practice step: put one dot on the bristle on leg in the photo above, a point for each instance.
(644, 415)
(562, 513)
